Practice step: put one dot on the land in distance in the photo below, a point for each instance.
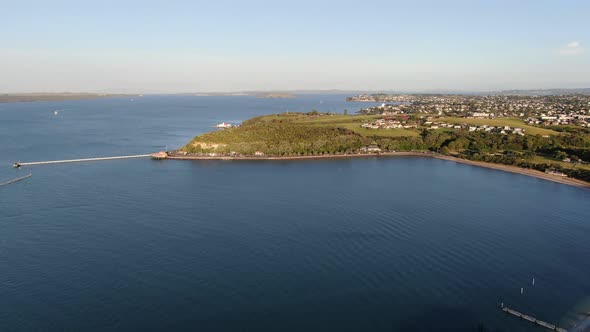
(30, 97)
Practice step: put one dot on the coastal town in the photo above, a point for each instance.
(430, 123)
(504, 130)
(568, 110)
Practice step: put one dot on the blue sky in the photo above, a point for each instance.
(181, 46)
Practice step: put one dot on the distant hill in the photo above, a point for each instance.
(544, 92)
(30, 97)
(515, 92)
(270, 93)
(276, 95)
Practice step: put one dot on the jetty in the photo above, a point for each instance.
(15, 180)
(532, 319)
(158, 155)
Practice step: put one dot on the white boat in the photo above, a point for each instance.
(224, 125)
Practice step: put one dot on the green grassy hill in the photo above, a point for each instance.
(294, 134)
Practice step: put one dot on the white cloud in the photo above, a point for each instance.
(572, 48)
(573, 44)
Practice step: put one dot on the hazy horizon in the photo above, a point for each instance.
(295, 91)
(186, 47)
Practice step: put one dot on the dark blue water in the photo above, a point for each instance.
(393, 244)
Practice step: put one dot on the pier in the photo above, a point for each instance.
(159, 155)
(532, 319)
(15, 180)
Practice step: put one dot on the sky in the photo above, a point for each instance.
(199, 46)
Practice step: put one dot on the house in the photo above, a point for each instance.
(518, 131)
(554, 172)
(480, 115)
(373, 148)
(259, 154)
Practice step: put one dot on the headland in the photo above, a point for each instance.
(519, 148)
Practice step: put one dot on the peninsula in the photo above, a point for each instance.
(277, 95)
(503, 142)
(257, 94)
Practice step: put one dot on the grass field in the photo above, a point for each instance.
(325, 119)
(342, 121)
(354, 123)
(546, 160)
(511, 122)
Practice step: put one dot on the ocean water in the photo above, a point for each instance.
(389, 244)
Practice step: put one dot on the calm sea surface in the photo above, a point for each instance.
(392, 244)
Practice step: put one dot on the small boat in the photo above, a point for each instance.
(16, 165)
(224, 125)
(55, 113)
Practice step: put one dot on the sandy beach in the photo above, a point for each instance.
(506, 168)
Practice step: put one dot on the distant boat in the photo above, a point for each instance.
(224, 125)
(55, 113)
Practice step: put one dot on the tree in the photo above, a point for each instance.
(529, 155)
(560, 155)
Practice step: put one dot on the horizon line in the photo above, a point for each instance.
(294, 91)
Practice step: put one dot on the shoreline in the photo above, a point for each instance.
(501, 167)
